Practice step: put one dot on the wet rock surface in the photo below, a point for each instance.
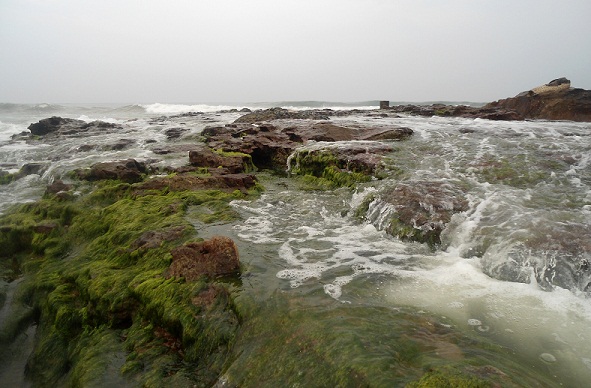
(59, 126)
(128, 170)
(214, 257)
(417, 211)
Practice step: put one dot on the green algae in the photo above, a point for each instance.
(92, 285)
(292, 341)
(324, 171)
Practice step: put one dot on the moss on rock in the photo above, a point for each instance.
(94, 275)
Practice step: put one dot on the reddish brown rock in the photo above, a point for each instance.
(190, 181)
(555, 100)
(129, 171)
(562, 104)
(418, 211)
(234, 164)
(215, 257)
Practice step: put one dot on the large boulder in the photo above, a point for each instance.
(215, 257)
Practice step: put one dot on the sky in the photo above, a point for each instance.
(199, 51)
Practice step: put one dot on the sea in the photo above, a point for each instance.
(515, 268)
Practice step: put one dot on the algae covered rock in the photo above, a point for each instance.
(215, 257)
(416, 210)
(339, 164)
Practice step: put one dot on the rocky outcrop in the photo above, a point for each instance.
(215, 257)
(553, 103)
(270, 145)
(555, 100)
(59, 126)
(129, 171)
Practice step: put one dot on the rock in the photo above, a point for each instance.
(56, 187)
(129, 171)
(280, 113)
(155, 238)
(30, 168)
(215, 257)
(555, 103)
(417, 211)
(270, 145)
(121, 144)
(558, 253)
(190, 181)
(555, 100)
(175, 133)
(266, 144)
(60, 126)
(233, 163)
(365, 157)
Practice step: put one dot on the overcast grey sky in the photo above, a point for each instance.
(141, 51)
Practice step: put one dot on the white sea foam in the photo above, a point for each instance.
(170, 109)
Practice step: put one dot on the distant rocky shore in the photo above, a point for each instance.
(555, 100)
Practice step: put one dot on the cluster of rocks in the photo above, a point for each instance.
(555, 100)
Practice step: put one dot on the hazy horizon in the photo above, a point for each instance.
(66, 51)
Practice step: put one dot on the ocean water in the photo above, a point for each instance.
(515, 268)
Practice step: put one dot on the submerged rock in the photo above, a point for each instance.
(416, 211)
(215, 257)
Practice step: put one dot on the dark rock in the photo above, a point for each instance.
(30, 168)
(52, 124)
(120, 145)
(280, 113)
(86, 148)
(129, 171)
(64, 126)
(175, 133)
(215, 257)
(57, 186)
